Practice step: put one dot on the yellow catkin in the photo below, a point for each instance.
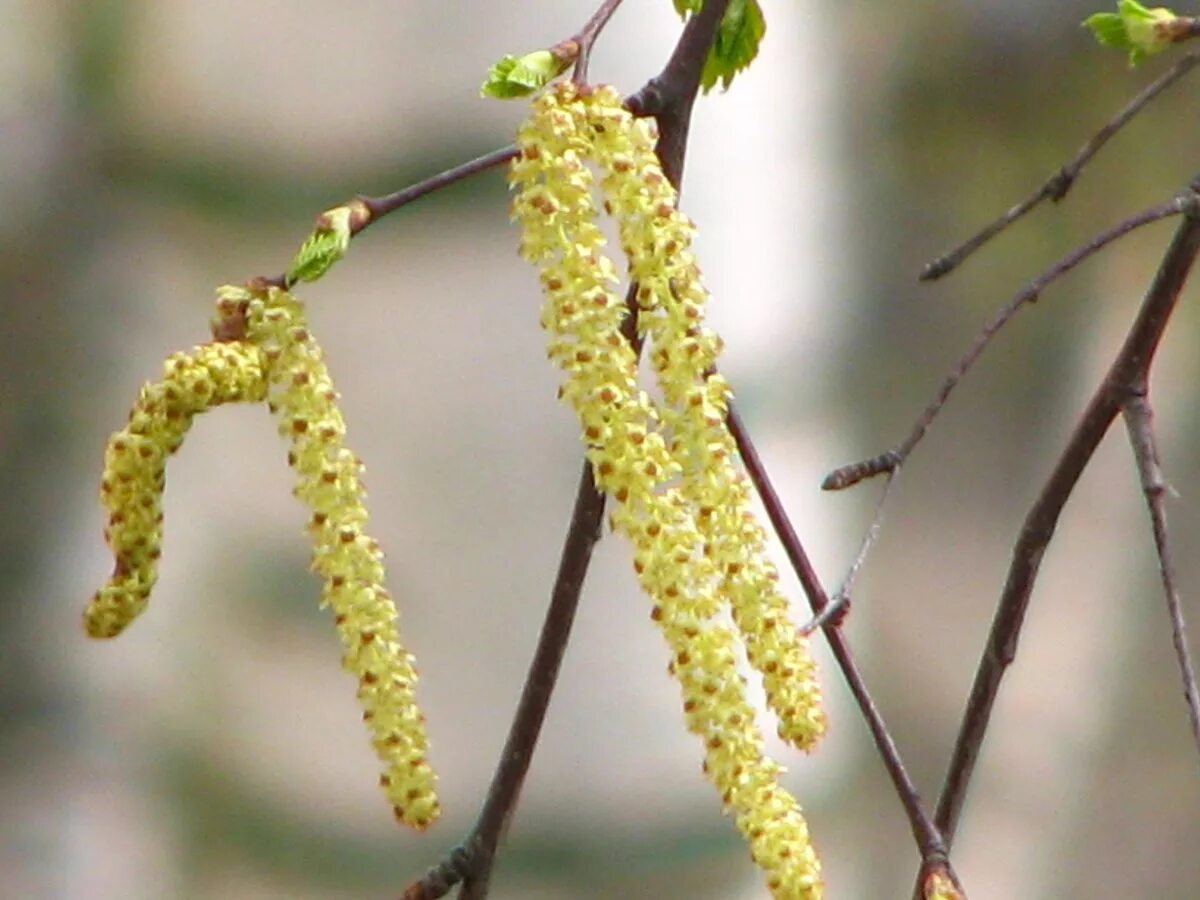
(350, 562)
(657, 240)
(135, 463)
(940, 886)
(632, 462)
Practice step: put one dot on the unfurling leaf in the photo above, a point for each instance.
(736, 42)
(516, 76)
(1141, 31)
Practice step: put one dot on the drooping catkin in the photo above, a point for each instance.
(638, 449)
(302, 398)
(264, 352)
(657, 240)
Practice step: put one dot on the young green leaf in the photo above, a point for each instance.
(1108, 30)
(520, 76)
(1141, 31)
(736, 42)
(325, 246)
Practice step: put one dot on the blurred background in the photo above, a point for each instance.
(151, 151)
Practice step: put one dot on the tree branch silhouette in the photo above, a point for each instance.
(1057, 185)
(1125, 378)
(1139, 421)
(891, 460)
(934, 851)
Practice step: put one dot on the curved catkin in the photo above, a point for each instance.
(328, 481)
(657, 240)
(135, 463)
(635, 464)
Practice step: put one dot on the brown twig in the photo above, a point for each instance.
(839, 603)
(1057, 186)
(472, 862)
(1139, 421)
(582, 535)
(931, 846)
(371, 209)
(586, 38)
(389, 203)
(849, 475)
(1128, 372)
(868, 542)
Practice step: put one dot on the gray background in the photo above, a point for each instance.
(151, 151)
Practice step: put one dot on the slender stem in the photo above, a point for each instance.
(777, 514)
(389, 203)
(375, 208)
(543, 669)
(670, 95)
(868, 542)
(1139, 421)
(1058, 184)
(582, 536)
(586, 38)
(371, 209)
(1127, 372)
(477, 851)
(849, 475)
(930, 844)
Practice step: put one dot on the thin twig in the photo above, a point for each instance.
(832, 614)
(1057, 186)
(931, 846)
(375, 208)
(542, 677)
(471, 861)
(584, 532)
(1139, 421)
(389, 203)
(839, 603)
(372, 209)
(474, 856)
(849, 475)
(868, 542)
(1129, 369)
(586, 38)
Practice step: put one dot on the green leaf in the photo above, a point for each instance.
(324, 247)
(738, 37)
(736, 42)
(520, 76)
(1108, 30)
(1135, 28)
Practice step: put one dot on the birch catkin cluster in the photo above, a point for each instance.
(681, 501)
(266, 353)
